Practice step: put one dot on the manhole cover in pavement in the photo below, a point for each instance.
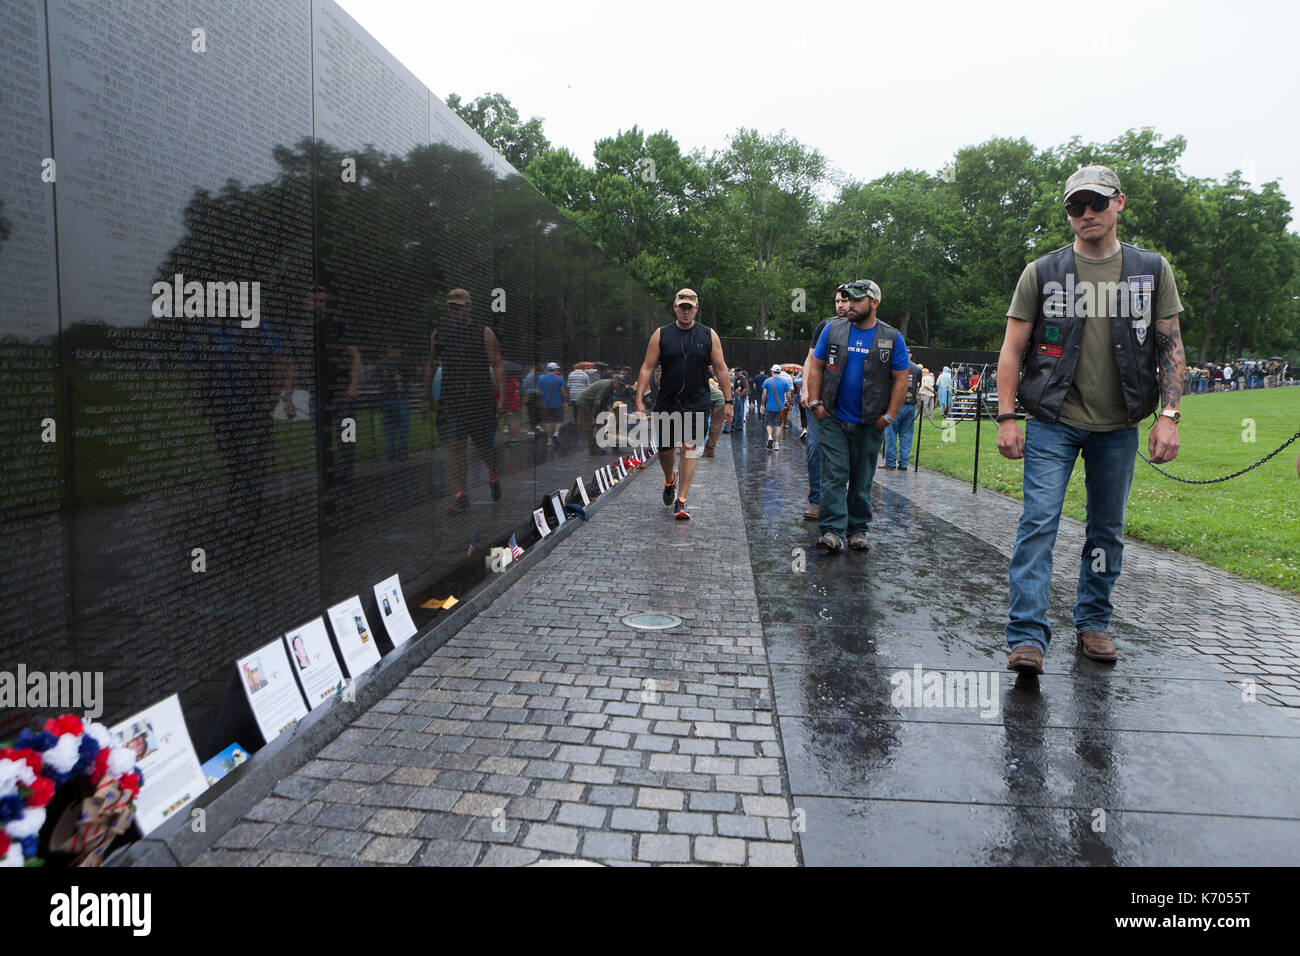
(651, 622)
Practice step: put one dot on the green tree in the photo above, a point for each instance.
(494, 118)
(770, 187)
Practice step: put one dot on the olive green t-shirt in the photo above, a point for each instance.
(1095, 401)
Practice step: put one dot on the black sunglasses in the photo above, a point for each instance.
(1096, 204)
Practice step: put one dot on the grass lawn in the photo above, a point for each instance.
(1249, 525)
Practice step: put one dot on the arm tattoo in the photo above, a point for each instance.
(1171, 361)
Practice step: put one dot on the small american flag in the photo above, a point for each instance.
(473, 546)
(516, 552)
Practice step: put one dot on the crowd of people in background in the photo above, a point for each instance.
(1235, 376)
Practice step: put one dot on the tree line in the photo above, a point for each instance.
(766, 228)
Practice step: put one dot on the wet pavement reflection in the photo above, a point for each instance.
(907, 742)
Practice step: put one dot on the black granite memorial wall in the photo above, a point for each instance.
(239, 382)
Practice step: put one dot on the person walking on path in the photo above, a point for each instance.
(776, 398)
(759, 396)
(813, 451)
(716, 405)
(1097, 363)
(859, 373)
(898, 436)
(684, 350)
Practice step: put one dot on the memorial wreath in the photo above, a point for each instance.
(74, 765)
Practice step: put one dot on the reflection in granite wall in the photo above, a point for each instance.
(33, 480)
(280, 307)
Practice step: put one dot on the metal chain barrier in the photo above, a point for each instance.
(1237, 474)
(1186, 481)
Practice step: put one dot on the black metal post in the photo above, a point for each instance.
(979, 420)
(916, 439)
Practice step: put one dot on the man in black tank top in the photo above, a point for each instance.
(684, 350)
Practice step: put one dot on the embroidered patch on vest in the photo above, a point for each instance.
(1055, 351)
(884, 355)
(1052, 333)
(1141, 291)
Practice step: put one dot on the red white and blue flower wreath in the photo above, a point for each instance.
(65, 753)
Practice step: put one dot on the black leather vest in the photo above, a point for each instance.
(877, 377)
(1048, 369)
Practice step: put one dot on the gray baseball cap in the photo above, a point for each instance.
(1096, 179)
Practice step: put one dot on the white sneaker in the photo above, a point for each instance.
(776, 447)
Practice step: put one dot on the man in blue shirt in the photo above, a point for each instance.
(554, 397)
(776, 395)
(858, 375)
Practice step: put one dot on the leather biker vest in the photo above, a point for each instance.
(1048, 369)
(877, 377)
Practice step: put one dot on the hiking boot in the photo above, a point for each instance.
(1098, 646)
(679, 510)
(670, 490)
(810, 513)
(858, 542)
(830, 541)
(1026, 658)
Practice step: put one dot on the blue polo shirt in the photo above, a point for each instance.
(848, 400)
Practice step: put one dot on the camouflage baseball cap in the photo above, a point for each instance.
(1096, 179)
(860, 288)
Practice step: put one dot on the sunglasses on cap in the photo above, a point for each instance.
(1096, 204)
(855, 290)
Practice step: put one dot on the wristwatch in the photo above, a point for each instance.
(816, 403)
(1172, 413)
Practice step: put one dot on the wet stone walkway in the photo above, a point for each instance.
(1156, 760)
(846, 709)
(1250, 631)
(546, 728)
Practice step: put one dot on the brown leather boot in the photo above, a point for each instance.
(1098, 646)
(1026, 658)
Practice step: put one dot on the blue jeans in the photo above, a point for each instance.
(849, 455)
(814, 458)
(1050, 453)
(898, 437)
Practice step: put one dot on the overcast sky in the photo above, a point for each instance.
(876, 87)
